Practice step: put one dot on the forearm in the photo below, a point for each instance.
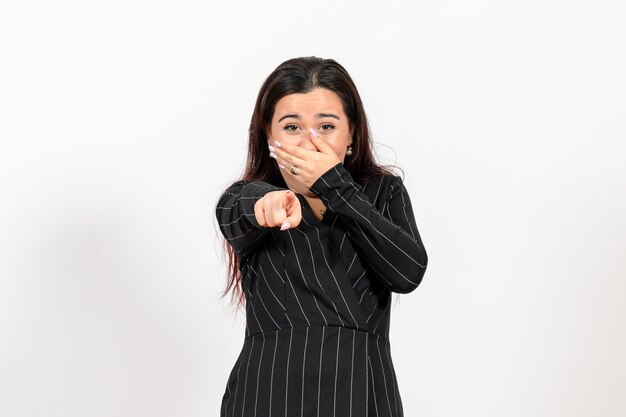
(388, 241)
(236, 216)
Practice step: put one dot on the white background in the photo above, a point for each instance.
(122, 121)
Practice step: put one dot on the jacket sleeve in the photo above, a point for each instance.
(235, 214)
(389, 242)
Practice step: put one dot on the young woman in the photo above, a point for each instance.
(319, 237)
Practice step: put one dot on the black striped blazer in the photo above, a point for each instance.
(318, 298)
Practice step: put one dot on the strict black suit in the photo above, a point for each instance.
(318, 299)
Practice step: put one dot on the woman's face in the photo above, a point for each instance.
(320, 109)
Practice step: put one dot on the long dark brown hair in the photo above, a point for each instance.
(301, 75)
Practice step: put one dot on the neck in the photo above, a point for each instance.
(316, 205)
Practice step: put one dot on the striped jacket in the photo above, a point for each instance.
(318, 298)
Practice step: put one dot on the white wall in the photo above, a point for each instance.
(121, 121)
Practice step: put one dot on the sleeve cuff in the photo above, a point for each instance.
(331, 179)
(253, 192)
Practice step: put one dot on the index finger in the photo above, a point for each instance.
(294, 150)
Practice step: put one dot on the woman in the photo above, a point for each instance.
(319, 236)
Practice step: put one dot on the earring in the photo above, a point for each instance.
(349, 150)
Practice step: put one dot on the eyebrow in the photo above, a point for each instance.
(318, 116)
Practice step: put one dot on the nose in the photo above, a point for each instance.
(305, 142)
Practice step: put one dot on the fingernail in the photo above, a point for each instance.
(277, 143)
(281, 165)
(272, 155)
(285, 225)
(314, 133)
(271, 148)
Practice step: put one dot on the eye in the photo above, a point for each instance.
(326, 127)
(291, 127)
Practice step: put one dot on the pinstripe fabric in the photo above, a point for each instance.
(318, 299)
